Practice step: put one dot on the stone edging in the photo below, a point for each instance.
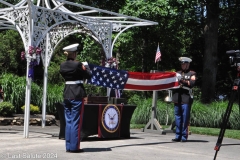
(34, 120)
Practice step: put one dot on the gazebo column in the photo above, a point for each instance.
(29, 78)
(27, 102)
(45, 78)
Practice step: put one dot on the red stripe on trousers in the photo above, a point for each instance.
(80, 124)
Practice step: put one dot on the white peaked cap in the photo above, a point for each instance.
(185, 59)
(71, 48)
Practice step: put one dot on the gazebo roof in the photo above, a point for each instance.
(49, 18)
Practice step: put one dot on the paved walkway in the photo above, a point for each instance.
(43, 143)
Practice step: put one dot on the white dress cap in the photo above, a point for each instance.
(71, 48)
(185, 59)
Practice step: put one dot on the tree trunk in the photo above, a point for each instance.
(238, 25)
(210, 51)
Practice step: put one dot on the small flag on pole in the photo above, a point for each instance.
(158, 55)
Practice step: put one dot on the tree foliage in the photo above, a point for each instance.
(173, 32)
(10, 48)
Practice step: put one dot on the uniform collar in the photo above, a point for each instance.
(70, 59)
(185, 71)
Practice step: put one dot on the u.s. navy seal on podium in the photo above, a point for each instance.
(183, 98)
(74, 73)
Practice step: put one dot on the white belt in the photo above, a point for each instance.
(190, 91)
(74, 82)
(187, 88)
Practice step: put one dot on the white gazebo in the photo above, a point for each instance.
(46, 23)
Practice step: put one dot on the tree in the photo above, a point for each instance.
(221, 33)
(210, 51)
(11, 47)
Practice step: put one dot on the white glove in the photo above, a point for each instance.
(85, 63)
(179, 76)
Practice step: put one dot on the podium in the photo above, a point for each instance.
(93, 120)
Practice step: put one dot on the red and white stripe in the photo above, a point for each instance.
(151, 81)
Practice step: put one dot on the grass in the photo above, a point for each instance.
(229, 133)
(201, 130)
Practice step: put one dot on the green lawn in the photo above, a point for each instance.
(235, 134)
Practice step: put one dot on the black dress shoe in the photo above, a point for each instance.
(76, 151)
(176, 140)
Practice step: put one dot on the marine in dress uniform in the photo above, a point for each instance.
(183, 98)
(73, 72)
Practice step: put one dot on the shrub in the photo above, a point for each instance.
(14, 89)
(142, 114)
(202, 115)
(33, 109)
(54, 95)
(6, 109)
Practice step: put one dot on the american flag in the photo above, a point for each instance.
(158, 55)
(124, 80)
(108, 77)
